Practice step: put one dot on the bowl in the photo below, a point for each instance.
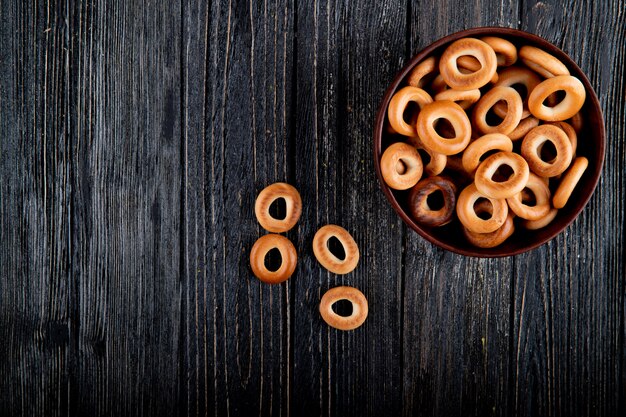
(591, 145)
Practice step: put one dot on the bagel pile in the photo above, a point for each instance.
(487, 134)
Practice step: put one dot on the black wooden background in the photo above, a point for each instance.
(134, 138)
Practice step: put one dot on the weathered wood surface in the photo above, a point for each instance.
(135, 137)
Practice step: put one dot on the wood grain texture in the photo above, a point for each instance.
(237, 60)
(135, 139)
(126, 198)
(197, 370)
(456, 309)
(357, 372)
(35, 210)
(568, 295)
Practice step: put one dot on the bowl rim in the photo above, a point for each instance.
(424, 53)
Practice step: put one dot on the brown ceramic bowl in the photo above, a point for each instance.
(591, 145)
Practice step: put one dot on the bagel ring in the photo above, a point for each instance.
(569, 182)
(293, 205)
(492, 239)
(412, 121)
(437, 162)
(457, 117)
(288, 255)
(359, 308)
(574, 98)
(418, 201)
(570, 132)
(542, 222)
(416, 77)
(514, 76)
(540, 190)
(542, 62)
(401, 166)
(479, 147)
(398, 105)
(465, 98)
(486, 102)
(327, 258)
(577, 121)
(506, 52)
(524, 126)
(468, 216)
(468, 64)
(516, 182)
(448, 66)
(531, 150)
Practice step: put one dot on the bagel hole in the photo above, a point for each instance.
(278, 209)
(468, 61)
(554, 98)
(336, 248)
(425, 156)
(410, 111)
(435, 200)
(483, 208)
(492, 118)
(343, 308)
(488, 154)
(444, 128)
(521, 89)
(547, 153)
(401, 167)
(502, 174)
(427, 79)
(528, 198)
(273, 260)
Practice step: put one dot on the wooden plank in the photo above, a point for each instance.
(237, 59)
(569, 294)
(136, 137)
(35, 208)
(346, 55)
(456, 334)
(126, 156)
(197, 387)
(456, 309)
